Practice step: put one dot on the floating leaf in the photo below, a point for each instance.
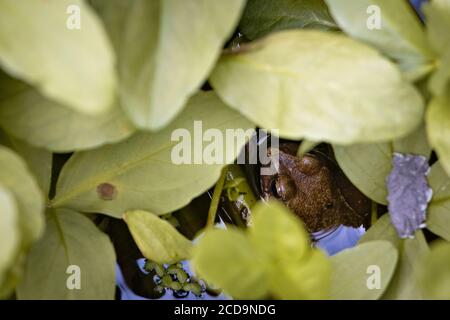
(408, 193)
(367, 166)
(261, 17)
(279, 83)
(9, 231)
(353, 269)
(141, 173)
(41, 122)
(399, 34)
(32, 33)
(16, 177)
(157, 239)
(236, 267)
(70, 241)
(436, 274)
(166, 49)
(439, 210)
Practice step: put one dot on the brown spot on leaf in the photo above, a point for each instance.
(106, 191)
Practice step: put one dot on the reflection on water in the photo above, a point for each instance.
(128, 294)
(338, 239)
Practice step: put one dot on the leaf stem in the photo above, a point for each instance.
(374, 216)
(216, 198)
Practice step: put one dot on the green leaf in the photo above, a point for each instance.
(438, 220)
(382, 230)
(438, 20)
(261, 17)
(70, 239)
(415, 143)
(439, 80)
(39, 160)
(307, 279)
(140, 172)
(352, 272)
(280, 83)
(16, 177)
(405, 284)
(9, 232)
(306, 146)
(367, 166)
(400, 36)
(278, 233)
(226, 258)
(32, 35)
(297, 271)
(26, 114)
(436, 274)
(274, 258)
(438, 128)
(157, 239)
(18, 182)
(166, 49)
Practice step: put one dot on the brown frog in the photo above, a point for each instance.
(315, 188)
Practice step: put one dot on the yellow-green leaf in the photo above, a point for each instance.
(39, 160)
(9, 232)
(293, 82)
(157, 239)
(75, 67)
(226, 258)
(438, 128)
(71, 250)
(273, 258)
(261, 17)
(16, 177)
(166, 49)
(438, 20)
(405, 284)
(355, 271)
(26, 114)
(367, 166)
(436, 274)
(438, 220)
(391, 26)
(141, 173)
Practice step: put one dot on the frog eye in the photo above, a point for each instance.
(329, 205)
(274, 190)
(283, 187)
